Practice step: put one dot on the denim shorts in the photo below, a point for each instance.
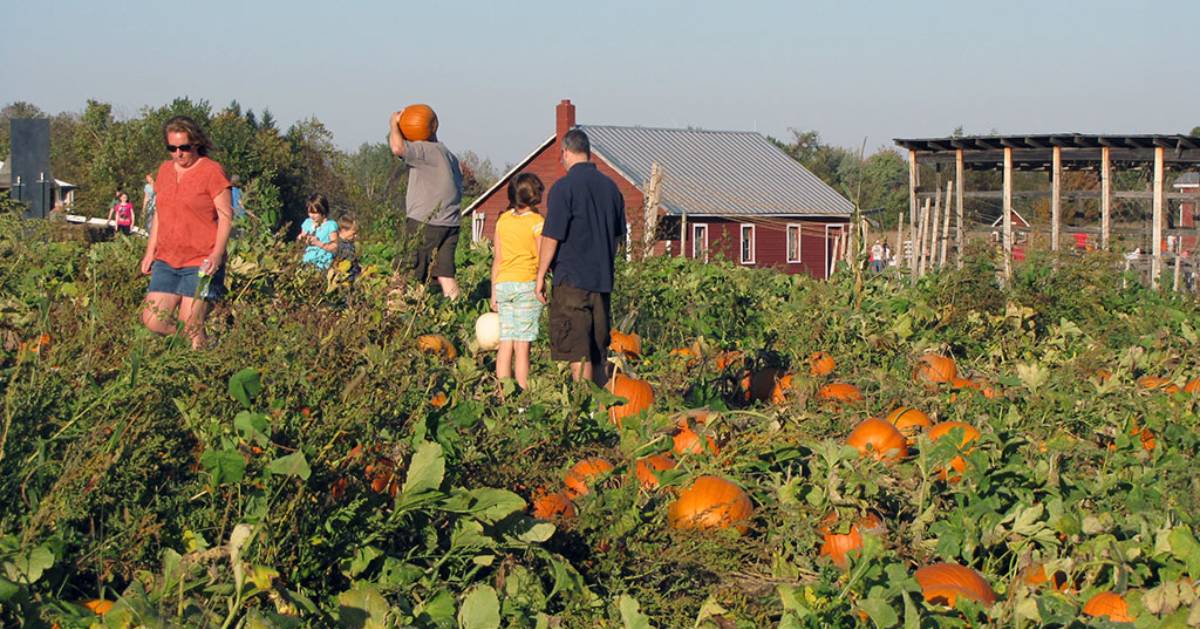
(186, 281)
(520, 311)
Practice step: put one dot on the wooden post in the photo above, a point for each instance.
(945, 227)
(959, 183)
(683, 235)
(1055, 198)
(912, 207)
(1157, 231)
(833, 261)
(899, 241)
(1175, 286)
(1105, 197)
(650, 208)
(920, 243)
(934, 228)
(1007, 209)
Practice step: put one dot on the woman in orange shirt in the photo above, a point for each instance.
(185, 255)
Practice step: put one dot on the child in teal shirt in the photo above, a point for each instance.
(319, 233)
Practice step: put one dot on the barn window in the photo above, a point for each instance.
(700, 242)
(793, 243)
(747, 243)
(478, 219)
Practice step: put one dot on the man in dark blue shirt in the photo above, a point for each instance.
(585, 222)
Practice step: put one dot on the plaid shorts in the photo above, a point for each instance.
(520, 311)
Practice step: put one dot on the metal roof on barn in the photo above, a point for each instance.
(717, 173)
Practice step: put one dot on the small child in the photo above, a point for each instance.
(514, 271)
(319, 233)
(123, 211)
(347, 233)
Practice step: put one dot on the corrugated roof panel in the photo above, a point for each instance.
(717, 172)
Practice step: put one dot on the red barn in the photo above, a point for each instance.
(731, 194)
(1187, 183)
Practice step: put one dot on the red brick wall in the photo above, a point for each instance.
(546, 165)
(770, 243)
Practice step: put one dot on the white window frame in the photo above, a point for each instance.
(478, 222)
(799, 242)
(700, 237)
(742, 243)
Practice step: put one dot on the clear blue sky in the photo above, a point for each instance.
(494, 71)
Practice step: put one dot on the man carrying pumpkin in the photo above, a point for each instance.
(434, 193)
(585, 222)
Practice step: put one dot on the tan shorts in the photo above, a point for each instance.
(579, 324)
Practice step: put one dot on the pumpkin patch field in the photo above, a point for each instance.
(774, 451)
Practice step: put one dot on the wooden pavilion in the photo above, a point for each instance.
(1101, 153)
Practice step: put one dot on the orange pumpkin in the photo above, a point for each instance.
(438, 400)
(637, 393)
(944, 583)
(98, 606)
(935, 369)
(1035, 576)
(767, 384)
(837, 545)
(909, 421)
(963, 383)
(418, 123)
(839, 392)
(647, 466)
(970, 433)
(1157, 383)
(686, 441)
(437, 344)
(1147, 437)
(1192, 387)
(1108, 605)
(878, 439)
(711, 502)
(628, 344)
(584, 473)
(690, 354)
(548, 506)
(727, 359)
(1102, 375)
(821, 364)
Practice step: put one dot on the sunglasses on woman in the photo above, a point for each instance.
(186, 148)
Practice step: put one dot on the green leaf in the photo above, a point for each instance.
(631, 615)
(426, 470)
(535, 531)
(8, 589)
(480, 609)
(293, 464)
(253, 427)
(361, 560)
(27, 567)
(362, 607)
(880, 612)
(1185, 548)
(244, 386)
(437, 611)
(492, 505)
(224, 466)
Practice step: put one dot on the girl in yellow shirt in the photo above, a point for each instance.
(514, 275)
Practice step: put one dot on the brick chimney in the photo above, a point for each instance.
(564, 116)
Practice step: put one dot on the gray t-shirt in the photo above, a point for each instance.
(434, 183)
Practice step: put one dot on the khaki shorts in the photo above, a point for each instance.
(435, 246)
(579, 324)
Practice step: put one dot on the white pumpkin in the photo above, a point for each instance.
(487, 331)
